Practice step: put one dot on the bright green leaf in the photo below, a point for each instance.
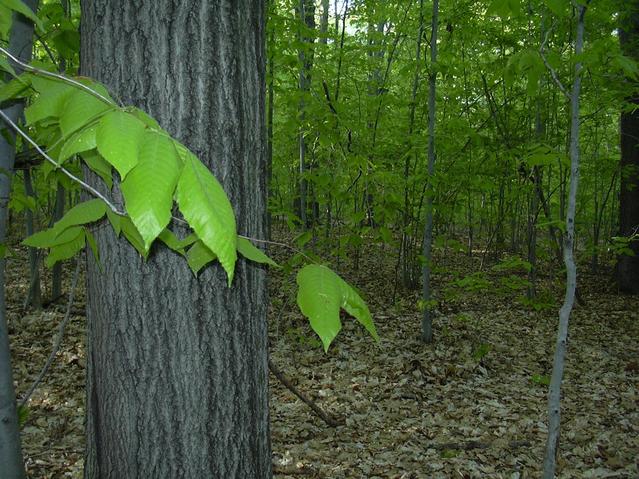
(67, 250)
(118, 138)
(81, 141)
(16, 88)
(4, 65)
(246, 249)
(168, 238)
(99, 165)
(199, 256)
(208, 210)
(132, 235)
(94, 247)
(80, 107)
(49, 238)
(83, 213)
(20, 7)
(52, 94)
(115, 220)
(319, 298)
(356, 307)
(148, 188)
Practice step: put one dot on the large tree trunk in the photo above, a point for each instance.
(177, 365)
(628, 266)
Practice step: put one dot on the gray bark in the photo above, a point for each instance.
(11, 462)
(628, 266)
(177, 365)
(427, 317)
(554, 394)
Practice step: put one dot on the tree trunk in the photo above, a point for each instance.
(11, 463)
(554, 393)
(177, 365)
(628, 266)
(427, 317)
(306, 13)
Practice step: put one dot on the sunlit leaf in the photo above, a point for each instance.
(148, 188)
(119, 136)
(207, 209)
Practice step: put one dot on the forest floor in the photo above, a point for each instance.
(471, 405)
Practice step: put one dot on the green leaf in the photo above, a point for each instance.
(208, 210)
(199, 256)
(356, 307)
(16, 88)
(168, 238)
(145, 118)
(99, 166)
(132, 235)
(148, 188)
(118, 137)
(49, 238)
(115, 220)
(80, 107)
(20, 7)
(52, 96)
(94, 248)
(3, 250)
(83, 213)
(66, 250)
(246, 249)
(81, 141)
(319, 298)
(4, 65)
(558, 7)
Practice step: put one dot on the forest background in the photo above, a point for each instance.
(350, 88)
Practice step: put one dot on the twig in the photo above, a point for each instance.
(57, 76)
(58, 339)
(553, 72)
(331, 421)
(86, 186)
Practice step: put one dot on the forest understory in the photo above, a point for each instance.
(471, 405)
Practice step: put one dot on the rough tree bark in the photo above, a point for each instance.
(628, 266)
(11, 464)
(177, 365)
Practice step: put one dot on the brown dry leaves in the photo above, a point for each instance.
(410, 410)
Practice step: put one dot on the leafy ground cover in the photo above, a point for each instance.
(471, 405)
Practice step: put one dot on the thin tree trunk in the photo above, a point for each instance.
(34, 294)
(11, 463)
(427, 318)
(407, 253)
(554, 395)
(306, 12)
(177, 365)
(628, 266)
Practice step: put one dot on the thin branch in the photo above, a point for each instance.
(331, 421)
(553, 72)
(58, 339)
(71, 81)
(86, 186)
